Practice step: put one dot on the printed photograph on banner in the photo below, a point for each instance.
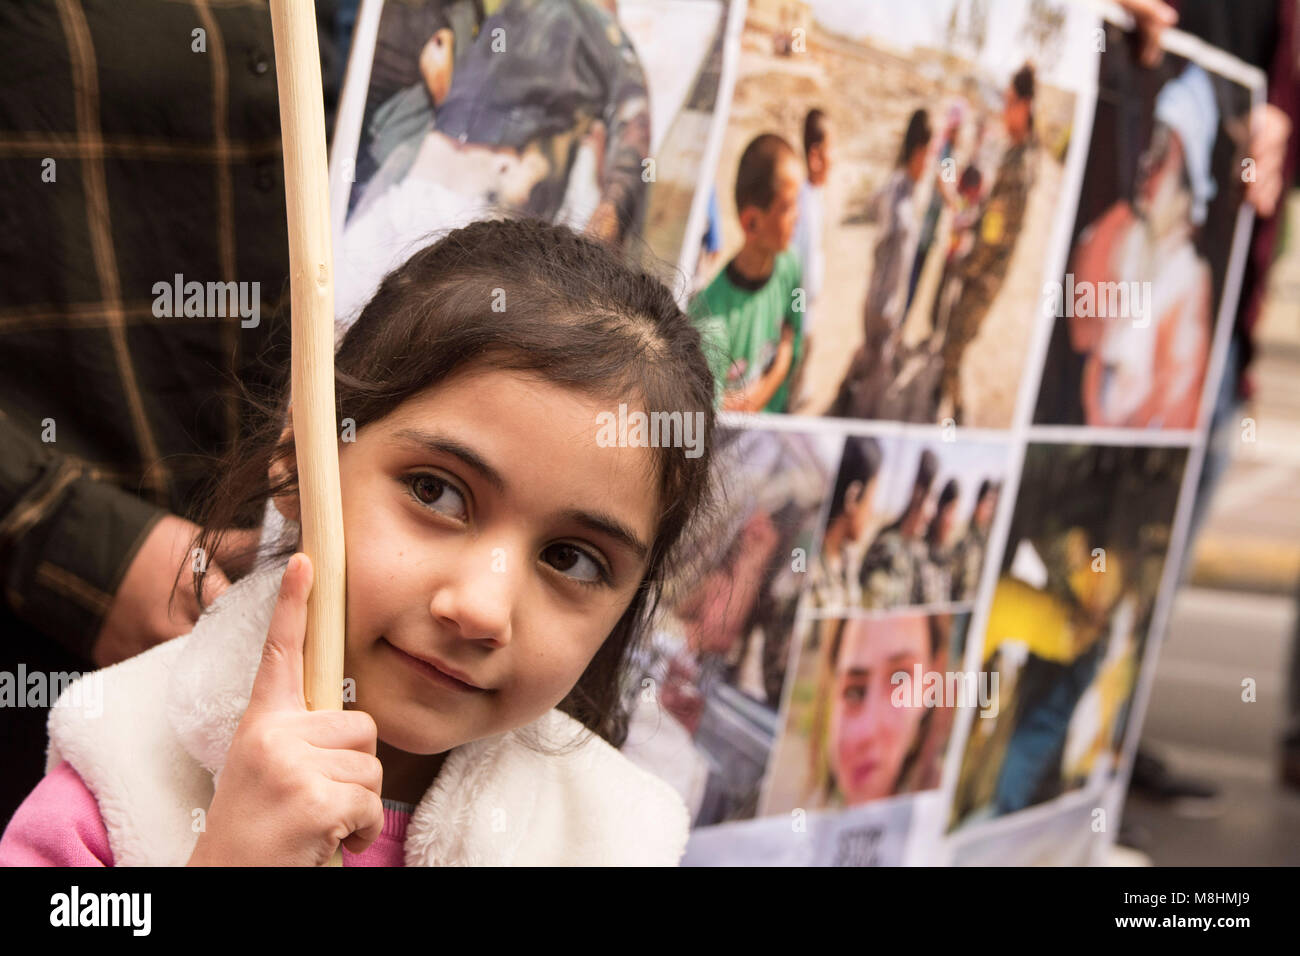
(1146, 280)
(884, 201)
(871, 708)
(679, 156)
(871, 835)
(704, 692)
(565, 110)
(1069, 621)
(907, 524)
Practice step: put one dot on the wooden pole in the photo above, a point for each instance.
(311, 288)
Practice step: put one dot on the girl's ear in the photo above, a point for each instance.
(287, 505)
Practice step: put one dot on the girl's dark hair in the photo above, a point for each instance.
(523, 296)
(917, 135)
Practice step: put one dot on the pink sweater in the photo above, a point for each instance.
(59, 825)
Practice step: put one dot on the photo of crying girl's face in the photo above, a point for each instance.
(870, 736)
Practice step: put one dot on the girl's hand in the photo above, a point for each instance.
(296, 782)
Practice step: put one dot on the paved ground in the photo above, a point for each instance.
(1199, 722)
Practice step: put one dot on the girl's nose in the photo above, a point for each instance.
(478, 599)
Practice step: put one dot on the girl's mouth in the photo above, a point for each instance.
(863, 772)
(433, 673)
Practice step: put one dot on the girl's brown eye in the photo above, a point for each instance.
(436, 494)
(574, 562)
(566, 557)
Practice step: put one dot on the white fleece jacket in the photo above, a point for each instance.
(169, 715)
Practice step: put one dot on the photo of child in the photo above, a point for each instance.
(707, 688)
(1068, 622)
(856, 732)
(937, 184)
(1136, 310)
(512, 107)
(751, 314)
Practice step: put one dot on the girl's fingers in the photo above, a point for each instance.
(278, 684)
(351, 767)
(339, 730)
(364, 817)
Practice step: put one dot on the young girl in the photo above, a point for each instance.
(870, 738)
(502, 565)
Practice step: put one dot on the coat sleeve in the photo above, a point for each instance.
(66, 538)
(57, 825)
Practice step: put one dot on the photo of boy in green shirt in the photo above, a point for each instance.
(751, 314)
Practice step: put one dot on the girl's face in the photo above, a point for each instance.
(870, 736)
(487, 534)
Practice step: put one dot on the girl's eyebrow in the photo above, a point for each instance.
(449, 446)
(595, 520)
(607, 524)
(890, 661)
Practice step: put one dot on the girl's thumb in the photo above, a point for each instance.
(279, 676)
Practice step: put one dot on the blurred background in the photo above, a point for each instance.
(1221, 798)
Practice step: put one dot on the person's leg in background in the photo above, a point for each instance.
(1225, 431)
(1291, 740)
